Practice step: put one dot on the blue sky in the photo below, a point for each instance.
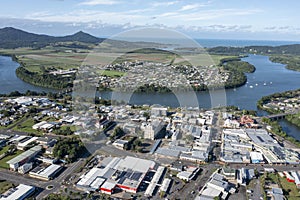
(230, 19)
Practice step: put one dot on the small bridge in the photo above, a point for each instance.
(281, 115)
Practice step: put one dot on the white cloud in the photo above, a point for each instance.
(190, 7)
(168, 3)
(99, 2)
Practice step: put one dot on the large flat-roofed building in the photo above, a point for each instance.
(24, 157)
(45, 173)
(18, 193)
(126, 174)
(261, 137)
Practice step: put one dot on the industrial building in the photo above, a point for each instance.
(25, 142)
(155, 180)
(125, 174)
(45, 173)
(18, 193)
(23, 158)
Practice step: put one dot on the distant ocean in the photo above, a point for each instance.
(241, 43)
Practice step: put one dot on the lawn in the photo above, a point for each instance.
(290, 189)
(26, 126)
(273, 177)
(5, 185)
(3, 161)
(4, 149)
(110, 73)
(73, 128)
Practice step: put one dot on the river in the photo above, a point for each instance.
(10, 82)
(268, 78)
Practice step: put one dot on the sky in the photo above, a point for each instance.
(215, 19)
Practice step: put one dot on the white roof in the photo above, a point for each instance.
(88, 178)
(136, 164)
(97, 183)
(210, 192)
(108, 185)
(18, 192)
(48, 171)
(165, 184)
(38, 125)
(24, 155)
(256, 155)
(24, 144)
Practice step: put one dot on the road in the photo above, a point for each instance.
(191, 190)
(57, 182)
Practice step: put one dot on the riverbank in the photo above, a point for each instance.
(282, 103)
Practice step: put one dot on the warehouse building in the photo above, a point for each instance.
(126, 174)
(45, 173)
(23, 158)
(18, 193)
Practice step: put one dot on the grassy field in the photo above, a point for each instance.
(290, 189)
(202, 59)
(26, 126)
(4, 149)
(5, 185)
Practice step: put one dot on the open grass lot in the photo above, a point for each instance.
(201, 59)
(3, 161)
(4, 149)
(73, 128)
(290, 189)
(5, 185)
(26, 126)
(110, 73)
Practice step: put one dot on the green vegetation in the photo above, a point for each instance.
(262, 185)
(26, 126)
(239, 66)
(118, 133)
(277, 130)
(15, 38)
(293, 49)
(237, 69)
(289, 189)
(111, 73)
(295, 118)
(65, 130)
(69, 149)
(45, 80)
(273, 178)
(5, 185)
(292, 62)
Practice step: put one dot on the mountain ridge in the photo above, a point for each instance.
(11, 38)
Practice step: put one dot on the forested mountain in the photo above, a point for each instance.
(14, 38)
(293, 49)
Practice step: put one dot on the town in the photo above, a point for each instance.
(130, 75)
(140, 152)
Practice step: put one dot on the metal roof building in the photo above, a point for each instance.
(23, 157)
(19, 193)
(45, 173)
